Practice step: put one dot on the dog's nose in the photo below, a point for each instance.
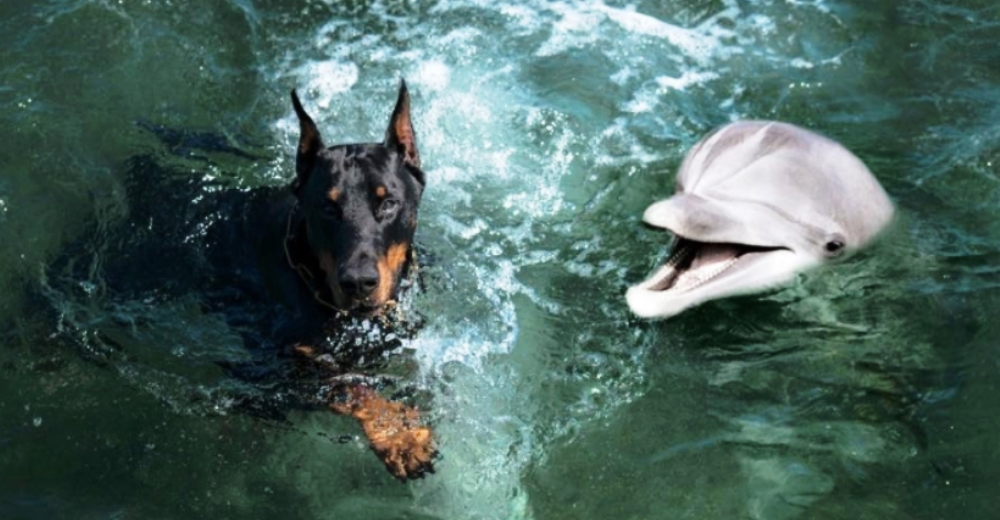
(359, 282)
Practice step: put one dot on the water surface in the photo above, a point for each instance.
(863, 390)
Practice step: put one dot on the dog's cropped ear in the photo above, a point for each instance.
(310, 144)
(400, 134)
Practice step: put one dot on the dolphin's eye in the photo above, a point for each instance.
(834, 246)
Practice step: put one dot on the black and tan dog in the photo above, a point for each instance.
(338, 243)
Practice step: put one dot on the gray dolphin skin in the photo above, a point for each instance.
(755, 203)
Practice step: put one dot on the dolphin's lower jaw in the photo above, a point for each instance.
(696, 272)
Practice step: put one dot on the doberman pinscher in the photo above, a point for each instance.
(339, 242)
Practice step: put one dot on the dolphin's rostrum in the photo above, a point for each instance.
(756, 202)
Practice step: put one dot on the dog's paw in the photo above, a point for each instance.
(394, 432)
(407, 452)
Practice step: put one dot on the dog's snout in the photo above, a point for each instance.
(359, 282)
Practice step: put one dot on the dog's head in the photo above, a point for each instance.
(359, 203)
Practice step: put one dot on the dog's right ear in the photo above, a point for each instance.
(310, 144)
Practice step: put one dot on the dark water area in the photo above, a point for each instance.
(865, 389)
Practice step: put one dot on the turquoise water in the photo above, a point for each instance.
(864, 390)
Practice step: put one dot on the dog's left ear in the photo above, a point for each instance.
(400, 133)
(310, 144)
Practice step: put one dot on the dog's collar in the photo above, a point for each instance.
(305, 274)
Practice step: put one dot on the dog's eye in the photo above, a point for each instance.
(388, 207)
(331, 210)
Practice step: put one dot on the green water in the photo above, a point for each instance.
(866, 389)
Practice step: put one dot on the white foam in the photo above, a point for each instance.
(575, 27)
(688, 41)
(687, 79)
(432, 75)
(327, 79)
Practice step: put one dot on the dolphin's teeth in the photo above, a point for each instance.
(694, 279)
(667, 275)
(679, 255)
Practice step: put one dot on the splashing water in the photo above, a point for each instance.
(516, 136)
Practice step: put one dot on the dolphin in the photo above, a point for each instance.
(755, 203)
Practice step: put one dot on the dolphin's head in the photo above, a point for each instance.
(755, 203)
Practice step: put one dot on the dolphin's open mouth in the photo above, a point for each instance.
(692, 264)
(696, 272)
